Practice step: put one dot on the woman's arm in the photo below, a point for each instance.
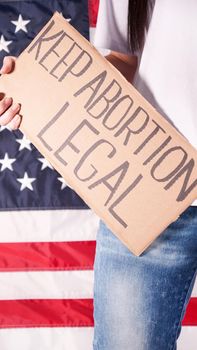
(126, 64)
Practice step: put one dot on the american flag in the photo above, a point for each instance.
(48, 233)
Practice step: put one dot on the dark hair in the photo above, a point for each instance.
(138, 16)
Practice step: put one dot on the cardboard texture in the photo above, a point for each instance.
(125, 160)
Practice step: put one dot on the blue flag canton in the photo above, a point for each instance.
(27, 179)
(20, 21)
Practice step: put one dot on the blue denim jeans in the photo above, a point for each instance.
(140, 301)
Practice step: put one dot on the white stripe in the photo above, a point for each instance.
(70, 338)
(194, 291)
(46, 285)
(188, 338)
(48, 225)
(92, 34)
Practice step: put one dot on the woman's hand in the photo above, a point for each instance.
(9, 109)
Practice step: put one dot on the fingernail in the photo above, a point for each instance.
(15, 106)
(16, 117)
(8, 99)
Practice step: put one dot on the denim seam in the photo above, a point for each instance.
(181, 306)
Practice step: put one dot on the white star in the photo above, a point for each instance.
(45, 163)
(20, 24)
(4, 44)
(68, 19)
(7, 162)
(3, 127)
(64, 184)
(24, 143)
(26, 182)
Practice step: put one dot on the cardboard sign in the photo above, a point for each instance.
(124, 159)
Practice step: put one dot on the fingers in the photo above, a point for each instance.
(4, 104)
(15, 122)
(8, 110)
(8, 64)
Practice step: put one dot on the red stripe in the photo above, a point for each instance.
(46, 313)
(61, 313)
(47, 256)
(190, 318)
(93, 11)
